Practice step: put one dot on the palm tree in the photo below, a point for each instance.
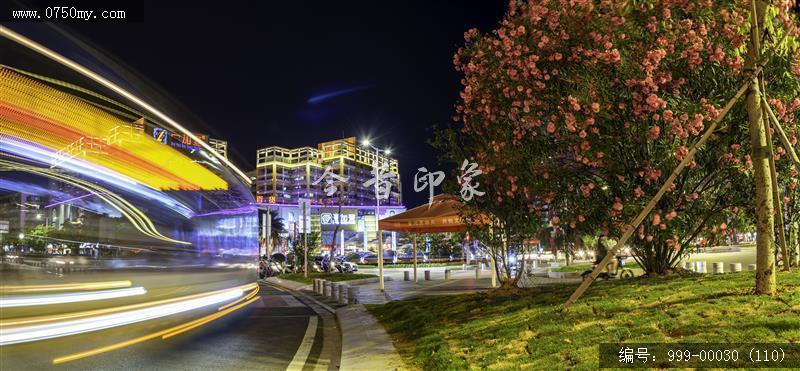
(278, 227)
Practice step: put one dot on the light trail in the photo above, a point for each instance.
(97, 312)
(138, 219)
(8, 33)
(22, 334)
(170, 331)
(26, 301)
(78, 286)
(207, 319)
(250, 295)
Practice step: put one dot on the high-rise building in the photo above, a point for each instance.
(219, 145)
(286, 176)
(283, 176)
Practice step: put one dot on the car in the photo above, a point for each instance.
(346, 266)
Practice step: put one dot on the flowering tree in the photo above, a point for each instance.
(578, 110)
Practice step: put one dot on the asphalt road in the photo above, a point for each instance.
(272, 333)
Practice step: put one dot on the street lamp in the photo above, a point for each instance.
(366, 143)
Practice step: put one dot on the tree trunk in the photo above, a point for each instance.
(765, 221)
(794, 244)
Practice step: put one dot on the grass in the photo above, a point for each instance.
(573, 268)
(333, 277)
(526, 330)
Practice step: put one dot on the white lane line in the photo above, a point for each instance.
(304, 349)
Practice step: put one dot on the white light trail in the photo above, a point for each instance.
(23, 334)
(25, 301)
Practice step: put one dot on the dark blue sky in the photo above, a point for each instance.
(246, 71)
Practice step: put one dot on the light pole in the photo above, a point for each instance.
(376, 168)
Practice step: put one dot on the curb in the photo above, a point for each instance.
(289, 284)
(365, 343)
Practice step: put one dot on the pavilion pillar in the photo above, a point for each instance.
(415, 257)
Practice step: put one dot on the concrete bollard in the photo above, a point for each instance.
(718, 267)
(736, 267)
(700, 267)
(477, 272)
(326, 288)
(352, 295)
(427, 275)
(406, 276)
(447, 274)
(316, 285)
(751, 267)
(343, 288)
(334, 291)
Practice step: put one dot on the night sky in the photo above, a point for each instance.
(249, 73)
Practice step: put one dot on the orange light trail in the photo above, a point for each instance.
(72, 128)
(163, 333)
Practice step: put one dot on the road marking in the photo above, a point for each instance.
(304, 349)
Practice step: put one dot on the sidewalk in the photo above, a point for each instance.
(365, 343)
(461, 282)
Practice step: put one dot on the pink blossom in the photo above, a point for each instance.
(654, 132)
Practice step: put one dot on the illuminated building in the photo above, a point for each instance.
(285, 176)
(219, 145)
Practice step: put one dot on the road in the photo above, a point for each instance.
(277, 332)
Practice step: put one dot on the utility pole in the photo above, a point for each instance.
(765, 213)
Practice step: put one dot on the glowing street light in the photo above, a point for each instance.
(366, 143)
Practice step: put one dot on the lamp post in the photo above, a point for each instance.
(376, 168)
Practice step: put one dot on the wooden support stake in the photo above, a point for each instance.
(629, 229)
(779, 129)
(776, 198)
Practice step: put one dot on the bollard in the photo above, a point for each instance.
(751, 267)
(352, 295)
(343, 288)
(315, 283)
(700, 267)
(406, 276)
(736, 267)
(326, 291)
(446, 274)
(718, 267)
(334, 291)
(427, 275)
(477, 272)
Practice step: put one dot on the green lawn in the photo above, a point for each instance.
(582, 267)
(334, 277)
(526, 330)
(573, 268)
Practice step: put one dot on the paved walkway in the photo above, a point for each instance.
(460, 282)
(365, 343)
